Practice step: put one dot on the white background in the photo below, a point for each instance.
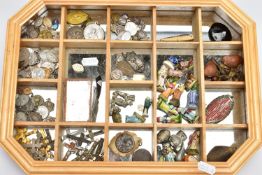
(10, 7)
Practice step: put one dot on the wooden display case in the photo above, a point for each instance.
(162, 19)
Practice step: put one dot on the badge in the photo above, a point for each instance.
(75, 32)
(77, 17)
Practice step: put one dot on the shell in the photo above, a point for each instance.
(220, 153)
(210, 69)
(232, 61)
(219, 108)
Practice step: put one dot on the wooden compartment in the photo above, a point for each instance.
(70, 91)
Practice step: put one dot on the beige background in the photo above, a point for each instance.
(10, 7)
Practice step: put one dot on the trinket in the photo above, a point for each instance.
(219, 32)
(94, 31)
(116, 74)
(126, 68)
(38, 73)
(179, 38)
(55, 24)
(210, 69)
(192, 99)
(163, 136)
(131, 27)
(175, 101)
(117, 118)
(147, 105)
(138, 77)
(38, 22)
(193, 144)
(75, 32)
(176, 142)
(221, 153)
(77, 17)
(232, 61)
(78, 68)
(125, 143)
(135, 118)
(142, 155)
(20, 116)
(219, 109)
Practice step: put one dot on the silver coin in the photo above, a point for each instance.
(38, 73)
(33, 59)
(38, 21)
(124, 35)
(32, 31)
(49, 55)
(94, 31)
(21, 100)
(131, 27)
(75, 32)
(43, 111)
(20, 116)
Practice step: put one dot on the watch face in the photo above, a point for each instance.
(125, 143)
(43, 111)
(94, 31)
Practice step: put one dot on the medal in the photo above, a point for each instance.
(77, 17)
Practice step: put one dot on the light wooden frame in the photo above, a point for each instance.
(251, 85)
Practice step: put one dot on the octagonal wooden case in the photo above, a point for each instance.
(243, 128)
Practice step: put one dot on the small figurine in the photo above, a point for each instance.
(147, 105)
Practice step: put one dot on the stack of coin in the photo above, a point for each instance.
(38, 63)
(30, 107)
(125, 28)
(81, 26)
(42, 27)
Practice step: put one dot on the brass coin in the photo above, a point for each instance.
(45, 34)
(75, 32)
(47, 22)
(77, 17)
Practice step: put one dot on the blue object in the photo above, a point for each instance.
(192, 99)
(55, 24)
(174, 59)
(133, 119)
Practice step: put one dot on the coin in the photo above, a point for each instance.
(28, 107)
(116, 74)
(38, 73)
(32, 31)
(77, 17)
(49, 105)
(24, 55)
(20, 116)
(94, 31)
(49, 55)
(131, 27)
(37, 100)
(47, 22)
(38, 21)
(48, 65)
(33, 59)
(75, 32)
(124, 35)
(45, 34)
(34, 116)
(78, 68)
(21, 100)
(43, 111)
